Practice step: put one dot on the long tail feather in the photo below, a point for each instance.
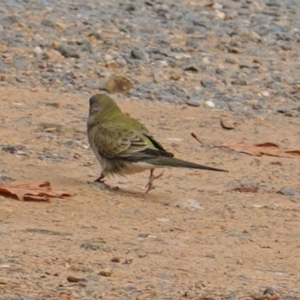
(179, 163)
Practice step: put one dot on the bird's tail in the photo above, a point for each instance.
(179, 163)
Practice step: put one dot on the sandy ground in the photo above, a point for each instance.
(192, 237)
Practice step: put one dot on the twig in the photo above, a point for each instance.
(196, 138)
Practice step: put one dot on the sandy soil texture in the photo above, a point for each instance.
(197, 235)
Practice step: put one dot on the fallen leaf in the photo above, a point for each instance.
(267, 148)
(31, 191)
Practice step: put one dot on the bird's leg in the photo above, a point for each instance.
(101, 182)
(100, 178)
(151, 179)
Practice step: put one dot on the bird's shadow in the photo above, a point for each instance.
(141, 194)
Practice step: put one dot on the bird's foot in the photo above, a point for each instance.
(100, 178)
(100, 183)
(152, 177)
(103, 186)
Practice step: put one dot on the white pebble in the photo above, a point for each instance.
(220, 15)
(217, 6)
(37, 50)
(209, 103)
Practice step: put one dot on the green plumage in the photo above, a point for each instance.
(123, 145)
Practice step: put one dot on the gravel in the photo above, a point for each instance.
(232, 51)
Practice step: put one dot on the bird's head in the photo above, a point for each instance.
(102, 103)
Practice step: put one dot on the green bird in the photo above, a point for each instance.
(124, 146)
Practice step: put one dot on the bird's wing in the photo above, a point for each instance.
(119, 141)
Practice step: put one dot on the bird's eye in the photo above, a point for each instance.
(95, 108)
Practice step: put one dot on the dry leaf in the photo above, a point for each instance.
(267, 148)
(30, 191)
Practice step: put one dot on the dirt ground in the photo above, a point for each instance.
(192, 237)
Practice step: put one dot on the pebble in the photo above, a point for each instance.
(265, 94)
(175, 74)
(269, 291)
(138, 53)
(75, 279)
(193, 102)
(210, 103)
(227, 123)
(118, 84)
(207, 83)
(106, 272)
(71, 49)
(67, 51)
(287, 191)
(190, 204)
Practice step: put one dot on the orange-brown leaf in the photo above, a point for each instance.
(31, 191)
(267, 148)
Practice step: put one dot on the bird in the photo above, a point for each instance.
(124, 146)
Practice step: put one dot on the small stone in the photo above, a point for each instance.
(268, 291)
(48, 23)
(67, 51)
(227, 123)
(37, 50)
(220, 15)
(265, 94)
(286, 48)
(13, 149)
(232, 60)
(206, 60)
(230, 296)
(138, 53)
(207, 83)
(117, 84)
(53, 55)
(75, 279)
(10, 20)
(239, 82)
(210, 103)
(191, 68)
(159, 75)
(116, 259)
(190, 204)
(180, 56)
(163, 219)
(128, 287)
(287, 191)
(217, 5)
(52, 104)
(106, 272)
(254, 36)
(199, 285)
(288, 297)
(111, 64)
(193, 102)
(90, 246)
(234, 50)
(3, 78)
(175, 75)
